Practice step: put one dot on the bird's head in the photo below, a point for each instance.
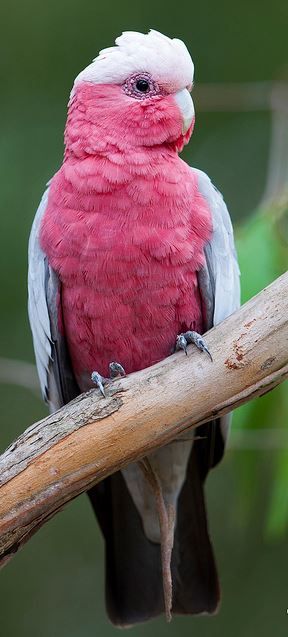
(134, 94)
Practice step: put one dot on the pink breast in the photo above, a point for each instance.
(126, 243)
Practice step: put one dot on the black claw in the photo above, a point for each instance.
(98, 380)
(203, 348)
(207, 352)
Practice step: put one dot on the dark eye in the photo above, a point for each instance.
(142, 86)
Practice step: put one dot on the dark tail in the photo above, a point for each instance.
(133, 563)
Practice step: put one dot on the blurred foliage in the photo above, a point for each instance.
(262, 243)
(55, 586)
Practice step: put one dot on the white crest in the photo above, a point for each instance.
(168, 60)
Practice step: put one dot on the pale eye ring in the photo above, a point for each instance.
(141, 86)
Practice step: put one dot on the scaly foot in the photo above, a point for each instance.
(183, 340)
(116, 371)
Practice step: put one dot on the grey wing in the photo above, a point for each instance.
(56, 377)
(219, 278)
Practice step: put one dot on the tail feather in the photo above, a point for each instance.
(134, 591)
(133, 564)
(195, 579)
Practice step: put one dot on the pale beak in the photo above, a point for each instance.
(185, 104)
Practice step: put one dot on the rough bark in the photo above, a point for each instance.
(66, 453)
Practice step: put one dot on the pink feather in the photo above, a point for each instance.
(125, 227)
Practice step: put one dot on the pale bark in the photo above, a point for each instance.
(66, 453)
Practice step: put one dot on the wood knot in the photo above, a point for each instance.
(269, 361)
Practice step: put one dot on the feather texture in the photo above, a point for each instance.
(219, 284)
(128, 248)
(167, 59)
(37, 301)
(55, 372)
(219, 278)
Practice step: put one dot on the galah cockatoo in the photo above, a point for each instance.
(131, 256)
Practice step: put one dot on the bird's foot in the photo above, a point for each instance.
(99, 381)
(183, 340)
(115, 370)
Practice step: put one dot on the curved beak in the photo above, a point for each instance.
(185, 104)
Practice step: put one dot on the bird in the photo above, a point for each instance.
(131, 257)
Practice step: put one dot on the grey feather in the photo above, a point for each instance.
(56, 377)
(37, 305)
(219, 279)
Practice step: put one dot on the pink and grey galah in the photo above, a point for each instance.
(131, 256)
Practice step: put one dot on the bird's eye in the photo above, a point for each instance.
(142, 86)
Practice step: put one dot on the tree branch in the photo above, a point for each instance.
(66, 453)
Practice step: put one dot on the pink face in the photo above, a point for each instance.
(140, 112)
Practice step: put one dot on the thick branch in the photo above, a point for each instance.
(68, 452)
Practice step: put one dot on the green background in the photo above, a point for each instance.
(54, 586)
